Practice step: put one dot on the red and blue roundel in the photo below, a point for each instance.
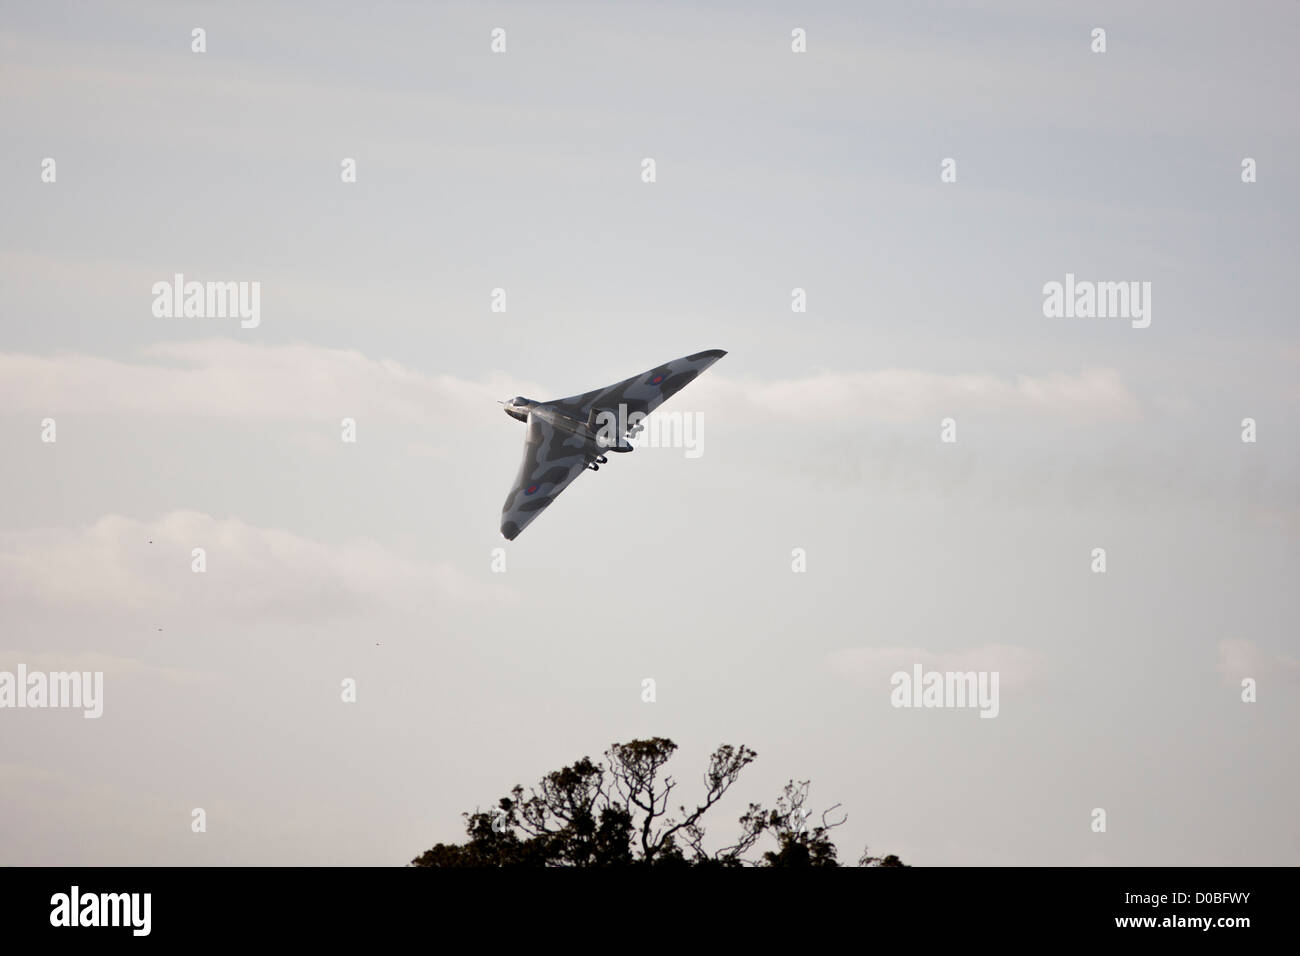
(658, 379)
(531, 489)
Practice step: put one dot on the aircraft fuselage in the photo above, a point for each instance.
(594, 430)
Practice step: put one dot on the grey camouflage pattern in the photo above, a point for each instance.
(561, 442)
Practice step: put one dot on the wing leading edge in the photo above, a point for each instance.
(645, 392)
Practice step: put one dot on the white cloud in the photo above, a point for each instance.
(127, 565)
(227, 379)
(898, 395)
(1240, 658)
(221, 378)
(112, 666)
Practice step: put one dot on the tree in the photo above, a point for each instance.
(617, 814)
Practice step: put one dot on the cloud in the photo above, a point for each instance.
(872, 666)
(225, 379)
(110, 665)
(1240, 658)
(120, 564)
(228, 379)
(900, 395)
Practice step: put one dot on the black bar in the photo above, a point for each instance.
(920, 905)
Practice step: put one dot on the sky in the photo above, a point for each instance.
(372, 561)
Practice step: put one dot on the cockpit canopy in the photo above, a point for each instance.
(518, 408)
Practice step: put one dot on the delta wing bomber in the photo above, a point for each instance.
(571, 435)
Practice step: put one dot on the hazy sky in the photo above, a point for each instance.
(775, 170)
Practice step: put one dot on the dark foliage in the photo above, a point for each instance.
(617, 814)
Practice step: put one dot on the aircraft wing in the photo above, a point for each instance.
(552, 459)
(641, 393)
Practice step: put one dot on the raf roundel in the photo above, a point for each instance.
(531, 489)
(657, 379)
